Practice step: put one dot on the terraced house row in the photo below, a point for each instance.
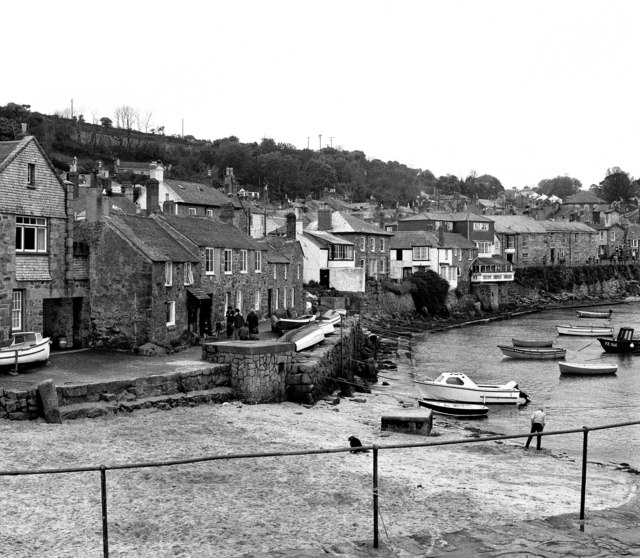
(99, 266)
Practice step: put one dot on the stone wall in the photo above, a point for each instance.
(257, 369)
(313, 372)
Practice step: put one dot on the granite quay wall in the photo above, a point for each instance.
(211, 384)
(314, 372)
(257, 369)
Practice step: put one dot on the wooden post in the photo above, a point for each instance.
(375, 497)
(583, 489)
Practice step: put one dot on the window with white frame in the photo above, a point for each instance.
(17, 304)
(243, 261)
(373, 266)
(227, 261)
(382, 245)
(613, 236)
(168, 274)
(481, 226)
(192, 211)
(239, 301)
(601, 235)
(276, 293)
(420, 253)
(372, 244)
(31, 234)
(258, 262)
(209, 212)
(362, 244)
(292, 297)
(171, 313)
(382, 266)
(361, 262)
(209, 261)
(257, 299)
(298, 272)
(275, 270)
(484, 247)
(340, 252)
(284, 298)
(286, 270)
(31, 175)
(188, 273)
(633, 243)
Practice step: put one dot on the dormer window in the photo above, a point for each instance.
(31, 175)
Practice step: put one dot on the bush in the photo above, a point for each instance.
(430, 292)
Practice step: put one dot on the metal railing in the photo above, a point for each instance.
(102, 469)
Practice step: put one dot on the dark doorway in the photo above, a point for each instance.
(269, 301)
(324, 278)
(553, 255)
(205, 317)
(407, 272)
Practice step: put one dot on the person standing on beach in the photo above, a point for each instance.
(229, 316)
(537, 425)
(238, 322)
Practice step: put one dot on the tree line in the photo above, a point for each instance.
(286, 171)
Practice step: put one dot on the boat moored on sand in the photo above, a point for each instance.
(588, 330)
(456, 387)
(540, 343)
(26, 347)
(458, 410)
(533, 353)
(587, 369)
(594, 315)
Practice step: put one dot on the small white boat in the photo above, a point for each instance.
(589, 330)
(27, 347)
(587, 369)
(325, 326)
(304, 337)
(457, 387)
(594, 315)
(539, 343)
(330, 316)
(459, 410)
(293, 323)
(533, 353)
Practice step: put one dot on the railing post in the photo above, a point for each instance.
(583, 489)
(375, 496)
(105, 534)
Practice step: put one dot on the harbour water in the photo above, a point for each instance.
(569, 401)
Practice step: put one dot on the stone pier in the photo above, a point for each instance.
(258, 368)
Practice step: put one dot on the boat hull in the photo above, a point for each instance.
(304, 337)
(532, 353)
(593, 315)
(581, 369)
(620, 346)
(538, 343)
(286, 324)
(458, 410)
(483, 395)
(34, 353)
(584, 331)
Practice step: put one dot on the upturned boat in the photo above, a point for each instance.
(588, 330)
(587, 369)
(624, 343)
(26, 347)
(330, 316)
(456, 387)
(304, 337)
(533, 353)
(594, 315)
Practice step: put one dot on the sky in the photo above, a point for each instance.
(521, 90)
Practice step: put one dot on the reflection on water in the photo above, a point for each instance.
(569, 401)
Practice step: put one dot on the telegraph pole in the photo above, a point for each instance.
(320, 138)
(308, 138)
(331, 140)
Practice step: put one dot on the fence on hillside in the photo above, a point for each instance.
(102, 469)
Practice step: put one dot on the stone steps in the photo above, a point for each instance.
(164, 402)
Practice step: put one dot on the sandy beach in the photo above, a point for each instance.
(236, 507)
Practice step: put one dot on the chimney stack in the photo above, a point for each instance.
(324, 219)
(291, 226)
(227, 213)
(153, 196)
(441, 236)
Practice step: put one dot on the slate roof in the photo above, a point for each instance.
(408, 239)
(326, 238)
(447, 216)
(633, 231)
(6, 149)
(519, 224)
(273, 256)
(199, 194)
(149, 237)
(344, 223)
(205, 231)
(584, 196)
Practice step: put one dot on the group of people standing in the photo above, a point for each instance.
(238, 327)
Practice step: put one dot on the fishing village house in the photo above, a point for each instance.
(40, 290)
(611, 235)
(632, 238)
(583, 206)
(447, 254)
(524, 241)
(486, 267)
(370, 243)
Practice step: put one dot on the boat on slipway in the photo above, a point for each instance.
(624, 343)
(533, 353)
(458, 410)
(292, 323)
(331, 316)
(589, 330)
(587, 369)
(457, 387)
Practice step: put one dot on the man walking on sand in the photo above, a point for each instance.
(537, 425)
